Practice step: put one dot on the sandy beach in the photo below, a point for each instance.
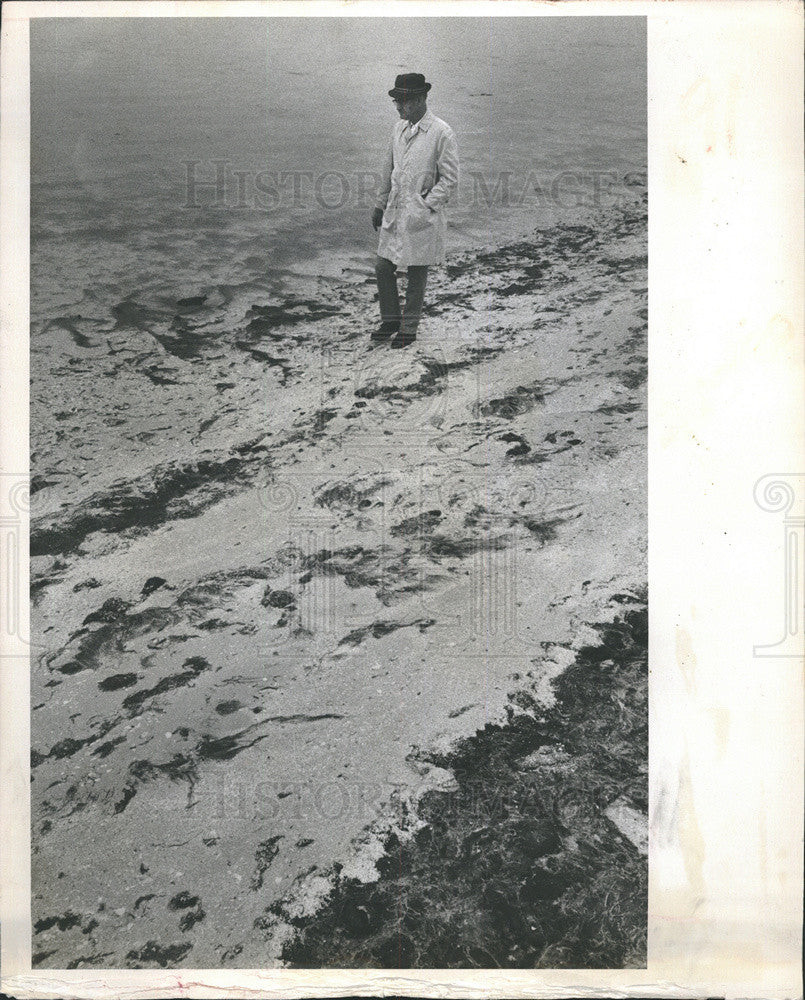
(270, 625)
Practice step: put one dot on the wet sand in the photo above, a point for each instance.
(308, 570)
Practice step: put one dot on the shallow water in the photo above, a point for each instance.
(120, 106)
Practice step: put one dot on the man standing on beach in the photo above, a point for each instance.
(419, 175)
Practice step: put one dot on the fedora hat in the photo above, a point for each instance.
(409, 85)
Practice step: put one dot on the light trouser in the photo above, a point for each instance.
(389, 296)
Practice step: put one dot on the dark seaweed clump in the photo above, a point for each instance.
(518, 867)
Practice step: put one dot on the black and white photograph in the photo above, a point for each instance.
(363, 369)
(338, 454)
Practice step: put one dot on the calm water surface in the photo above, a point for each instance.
(296, 110)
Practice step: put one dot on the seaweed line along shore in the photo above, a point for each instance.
(330, 620)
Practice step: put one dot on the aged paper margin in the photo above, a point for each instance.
(726, 410)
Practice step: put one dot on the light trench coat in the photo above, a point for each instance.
(419, 175)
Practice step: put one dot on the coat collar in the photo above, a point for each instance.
(423, 124)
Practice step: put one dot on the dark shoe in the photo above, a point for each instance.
(403, 340)
(384, 331)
